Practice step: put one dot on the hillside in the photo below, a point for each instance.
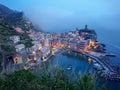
(16, 18)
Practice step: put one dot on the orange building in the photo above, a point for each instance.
(17, 59)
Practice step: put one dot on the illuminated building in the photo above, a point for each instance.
(82, 45)
(54, 43)
(45, 52)
(17, 58)
(73, 44)
(30, 57)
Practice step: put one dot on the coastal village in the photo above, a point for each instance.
(45, 45)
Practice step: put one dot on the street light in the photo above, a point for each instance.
(34, 52)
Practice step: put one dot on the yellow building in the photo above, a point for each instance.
(17, 59)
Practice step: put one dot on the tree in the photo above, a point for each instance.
(56, 80)
(86, 82)
(19, 80)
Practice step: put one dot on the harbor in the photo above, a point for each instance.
(81, 64)
(59, 45)
(100, 63)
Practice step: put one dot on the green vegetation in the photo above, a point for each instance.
(55, 80)
(49, 78)
(5, 32)
(0, 61)
(16, 18)
(7, 47)
(26, 40)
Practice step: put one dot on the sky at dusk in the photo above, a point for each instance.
(65, 15)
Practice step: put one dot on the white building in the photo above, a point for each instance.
(36, 43)
(45, 52)
(19, 47)
(46, 42)
(35, 46)
(15, 38)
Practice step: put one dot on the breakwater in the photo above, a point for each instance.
(105, 69)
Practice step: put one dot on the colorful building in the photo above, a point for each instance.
(17, 58)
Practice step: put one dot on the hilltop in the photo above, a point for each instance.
(16, 18)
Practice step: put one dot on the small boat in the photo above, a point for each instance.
(97, 66)
(94, 61)
(69, 68)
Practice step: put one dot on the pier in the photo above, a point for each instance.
(99, 60)
(105, 65)
(110, 54)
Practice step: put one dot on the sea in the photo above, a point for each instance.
(112, 41)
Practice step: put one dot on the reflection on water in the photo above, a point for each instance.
(78, 63)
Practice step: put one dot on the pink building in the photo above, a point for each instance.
(18, 29)
(82, 45)
(73, 44)
(78, 44)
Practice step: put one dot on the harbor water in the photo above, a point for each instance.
(81, 65)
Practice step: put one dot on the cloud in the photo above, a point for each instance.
(69, 14)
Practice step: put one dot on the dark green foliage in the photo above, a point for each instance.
(25, 39)
(15, 18)
(86, 83)
(20, 80)
(8, 48)
(47, 80)
(1, 61)
(5, 32)
(10, 16)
